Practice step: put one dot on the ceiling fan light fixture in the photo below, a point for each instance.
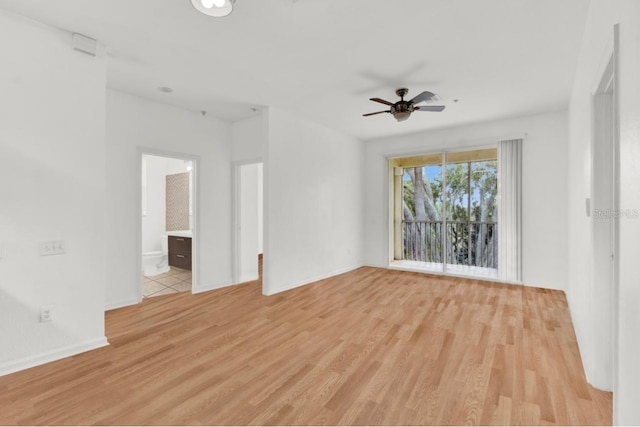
(401, 116)
(215, 8)
(401, 110)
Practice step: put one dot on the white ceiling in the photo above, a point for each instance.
(325, 58)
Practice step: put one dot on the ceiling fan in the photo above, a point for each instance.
(402, 109)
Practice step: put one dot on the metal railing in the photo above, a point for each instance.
(472, 243)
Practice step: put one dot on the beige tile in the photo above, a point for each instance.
(184, 276)
(151, 288)
(146, 279)
(162, 276)
(182, 286)
(169, 280)
(165, 291)
(175, 270)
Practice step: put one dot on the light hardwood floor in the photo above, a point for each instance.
(368, 347)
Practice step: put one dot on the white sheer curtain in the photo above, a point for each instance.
(510, 210)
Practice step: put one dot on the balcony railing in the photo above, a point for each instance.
(470, 243)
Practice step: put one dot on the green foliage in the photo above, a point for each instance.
(470, 191)
(469, 195)
(456, 191)
(409, 191)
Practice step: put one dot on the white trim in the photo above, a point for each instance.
(311, 280)
(207, 288)
(474, 144)
(603, 373)
(235, 222)
(266, 200)
(462, 276)
(615, 343)
(52, 355)
(235, 215)
(389, 188)
(122, 303)
(510, 210)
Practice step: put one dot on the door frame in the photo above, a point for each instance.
(195, 224)
(236, 205)
(605, 129)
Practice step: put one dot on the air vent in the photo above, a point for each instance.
(85, 44)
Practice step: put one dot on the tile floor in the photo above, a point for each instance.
(173, 281)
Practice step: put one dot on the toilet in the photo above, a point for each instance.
(154, 263)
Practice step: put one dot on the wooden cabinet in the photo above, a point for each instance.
(180, 252)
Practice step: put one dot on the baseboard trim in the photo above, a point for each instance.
(51, 356)
(122, 303)
(310, 280)
(447, 274)
(208, 288)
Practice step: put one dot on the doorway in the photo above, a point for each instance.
(167, 223)
(445, 212)
(605, 217)
(248, 221)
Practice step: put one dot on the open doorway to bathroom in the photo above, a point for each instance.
(167, 224)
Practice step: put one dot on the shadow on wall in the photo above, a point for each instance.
(45, 198)
(16, 318)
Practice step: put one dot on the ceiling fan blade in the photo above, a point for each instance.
(424, 96)
(381, 101)
(379, 112)
(429, 108)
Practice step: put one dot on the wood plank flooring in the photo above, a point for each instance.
(371, 346)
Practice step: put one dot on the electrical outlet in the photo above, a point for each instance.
(46, 313)
(52, 247)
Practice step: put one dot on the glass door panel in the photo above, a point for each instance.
(422, 224)
(471, 226)
(483, 210)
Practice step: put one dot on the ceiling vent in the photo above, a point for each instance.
(85, 44)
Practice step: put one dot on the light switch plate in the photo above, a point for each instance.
(52, 247)
(587, 205)
(46, 313)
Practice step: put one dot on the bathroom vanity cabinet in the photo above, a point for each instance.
(180, 252)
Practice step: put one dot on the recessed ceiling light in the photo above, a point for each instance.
(165, 89)
(216, 8)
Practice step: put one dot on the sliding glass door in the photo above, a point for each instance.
(448, 219)
(422, 211)
(471, 188)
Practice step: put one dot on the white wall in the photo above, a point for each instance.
(260, 208)
(544, 188)
(52, 187)
(585, 305)
(249, 139)
(153, 221)
(133, 122)
(313, 202)
(248, 222)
